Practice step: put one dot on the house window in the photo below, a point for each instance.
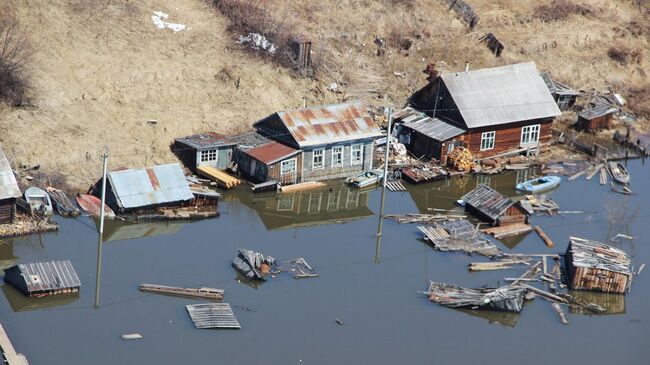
(209, 155)
(356, 156)
(288, 166)
(337, 156)
(317, 159)
(487, 140)
(530, 134)
(314, 202)
(352, 200)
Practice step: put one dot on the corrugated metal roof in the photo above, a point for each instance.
(488, 201)
(555, 87)
(8, 185)
(501, 95)
(49, 276)
(431, 127)
(597, 111)
(159, 184)
(272, 152)
(248, 139)
(205, 140)
(329, 124)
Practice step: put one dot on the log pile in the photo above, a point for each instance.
(460, 159)
(596, 266)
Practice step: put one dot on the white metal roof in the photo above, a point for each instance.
(500, 95)
(8, 185)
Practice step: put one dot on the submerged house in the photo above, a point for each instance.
(592, 265)
(334, 141)
(40, 279)
(564, 96)
(9, 191)
(493, 207)
(270, 161)
(135, 190)
(489, 111)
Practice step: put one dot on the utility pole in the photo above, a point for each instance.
(101, 226)
(383, 187)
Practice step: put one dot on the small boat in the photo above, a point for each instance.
(38, 200)
(366, 178)
(539, 184)
(91, 205)
(619, 173)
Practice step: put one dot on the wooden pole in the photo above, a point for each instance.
(383, 189)
(544, 237)
(101, 228)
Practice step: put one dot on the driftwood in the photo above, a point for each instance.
(560, 313)
(544, 237)
(544, 294)
(496, 265)
(422, 218)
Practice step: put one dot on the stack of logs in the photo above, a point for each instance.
(460, 159)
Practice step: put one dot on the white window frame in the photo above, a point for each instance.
(340, 150)
(283, 172)
(486, 138)
(353, 160)
(528, 132)
(209, 155)
(283, 199)
(322, 159)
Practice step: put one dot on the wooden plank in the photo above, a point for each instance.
(560, 313)
(544, 237)
(206, 293)
(8, 351)
(221, 178)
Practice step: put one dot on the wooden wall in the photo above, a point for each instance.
(507, 137)
(7, 210)
(604, 122)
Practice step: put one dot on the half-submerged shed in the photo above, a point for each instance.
(270, 161)
(596, 118)
(493, 207)
(564, 96)
(9, 191)
(206, 149)
(41, 279)
(592, 265)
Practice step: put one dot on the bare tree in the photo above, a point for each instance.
(14, 56)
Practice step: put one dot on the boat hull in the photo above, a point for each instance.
(91, 205)
(539, 184)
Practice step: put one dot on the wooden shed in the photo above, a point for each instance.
(41, 279)
(9, 191)
(492, 207)
(207, 149)
(592, 265)
(596, 118)
(270, 161)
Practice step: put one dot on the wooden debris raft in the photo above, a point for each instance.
(459, 235)
(205, 293)
(542, 204)
(509, 230)
(212, 315)
(422, 218)
(423, 174)
(64, 206)
(596, 266)
(506, 298)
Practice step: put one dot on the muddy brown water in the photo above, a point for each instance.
(372, 289)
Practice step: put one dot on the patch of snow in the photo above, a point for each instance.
(157, 19)
(257, 41)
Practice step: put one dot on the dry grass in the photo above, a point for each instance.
(15, 86)
(561, 10)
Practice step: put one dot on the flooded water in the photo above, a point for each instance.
(371, 286)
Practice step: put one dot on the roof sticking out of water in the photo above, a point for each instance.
(48, 276)
(488, 201)
(8, 185)
(501, 95)
(159, 184)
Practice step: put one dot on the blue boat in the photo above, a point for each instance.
(539, 184)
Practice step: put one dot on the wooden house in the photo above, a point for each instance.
(207, 149)
(564, 96)
(336, 141)
(43, 278)
(592, 265)
(270, 161)
(9, 191)
(497, 109)
(492, 207)
(596, 118)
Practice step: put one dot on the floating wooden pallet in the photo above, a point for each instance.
(395, 186)
(212, 315)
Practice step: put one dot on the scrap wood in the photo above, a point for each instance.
(422, 218)
(529, 274)
(513, 229)
(458, 235)
(506, 298)
(603, 176)
(544, 294)
(544, 237)
(498, 265)
(594, 171)
(560, 313)
(576, 175)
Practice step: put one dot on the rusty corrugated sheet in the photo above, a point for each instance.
(160, 184)
(329, 124)
(272, 152)
(8, 185)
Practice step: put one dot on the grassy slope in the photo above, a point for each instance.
(102, 71)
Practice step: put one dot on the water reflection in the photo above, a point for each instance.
(115, 230)
(19, 302)
(507, 319)
(335, 203)
(613, 303)
(7, 258)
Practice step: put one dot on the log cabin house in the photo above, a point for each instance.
(9, 191)
(596, 118)
(489, 111)
(492, 207)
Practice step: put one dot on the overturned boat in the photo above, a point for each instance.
(619, 173)
(92, 205)
(539, 184)
(505, 299)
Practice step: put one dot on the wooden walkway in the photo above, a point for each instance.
(8, 351)
(212, 315)
(395, 186)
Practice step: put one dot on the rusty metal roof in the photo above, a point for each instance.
(46, 276)
(272, 152)
(8, 185)
(329, 124)
(159, 184)
(205, 140)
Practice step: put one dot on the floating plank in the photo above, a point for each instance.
(8, 351)
(131, 336)
(212, 315)
(508, 230)
(395, 186)
(220, 177)
(544, 237)
(206, 293)
(302, 186)
(560, 313)
(265, 186)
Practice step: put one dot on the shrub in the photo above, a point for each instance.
(561, 9)
(14, 56)
(624, 55)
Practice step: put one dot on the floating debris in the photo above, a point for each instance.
(423, 174)
(255, 266)
(131, 336)
(422, 218)
(395, 186)
(41, 279)
(596, 266)
(205, 293)
(212, 315)
(497, 265)
(542, 204)
(506, 298)
(459, 235)
(560, 313)
(64, 206)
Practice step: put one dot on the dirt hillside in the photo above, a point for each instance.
(101, 69)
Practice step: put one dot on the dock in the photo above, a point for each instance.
(221, 178)
(203, 293)
(8, 351)
(212, 315)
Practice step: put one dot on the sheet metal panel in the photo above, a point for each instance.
(160, 184)
(329, 124)
(8, 184)
(501, 95)
(488, 201)
(49, 276)
(435, 128)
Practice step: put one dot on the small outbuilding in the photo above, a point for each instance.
(206, 149)
(270, 161)
(592, 265)
(564, 96)
(596, 118)
(493, 207)
(41, 279)
(9, 191)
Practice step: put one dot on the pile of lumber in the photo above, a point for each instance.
(460, 159)
(422, 218)
(220, 177)
(506, 298)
